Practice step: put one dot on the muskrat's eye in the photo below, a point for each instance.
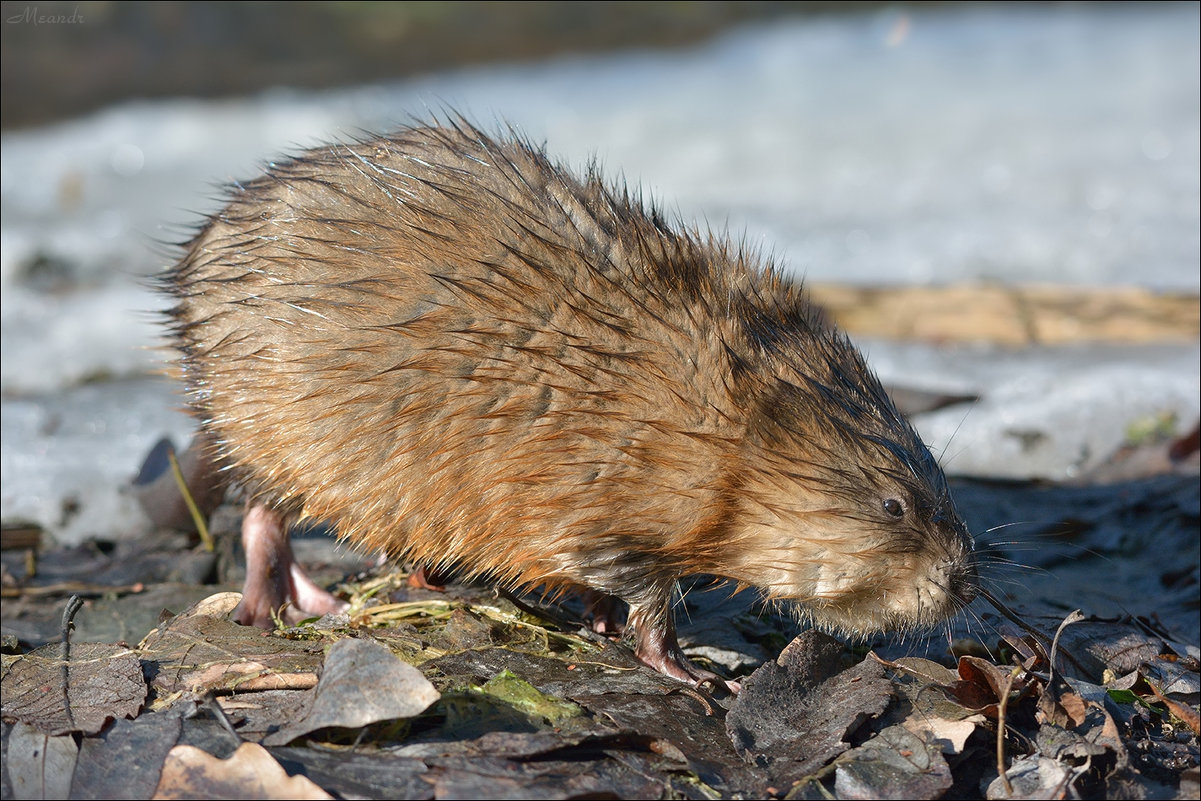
(894, 508)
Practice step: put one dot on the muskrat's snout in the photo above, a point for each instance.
(965, 582)
(949, 546)
(966, 586)
(859, 579)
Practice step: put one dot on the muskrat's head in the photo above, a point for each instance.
(843, 509)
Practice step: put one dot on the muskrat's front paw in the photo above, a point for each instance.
(604, 612)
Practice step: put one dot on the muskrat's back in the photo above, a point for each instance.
(454, 349)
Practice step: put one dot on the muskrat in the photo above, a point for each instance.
(457, 351)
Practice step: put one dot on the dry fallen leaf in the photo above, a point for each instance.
(982, 685)
(1186, 715)
(38, 766)
(126, 759)
(950, 735)
(1067, 711)
(202, 649)
(796, 714)
(896, 763)
(1033, 776)
(249, 773)
(929, 672)
(103, 681)
(362, 683)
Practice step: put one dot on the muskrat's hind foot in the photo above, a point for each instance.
(275, 581)
(425, 577)
(658, 647)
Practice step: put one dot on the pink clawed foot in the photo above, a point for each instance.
(658, 647)
(425, 577)
(275, 581)
(604, 611)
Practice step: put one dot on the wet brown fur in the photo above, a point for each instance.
(454, 349)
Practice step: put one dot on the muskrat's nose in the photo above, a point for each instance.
(965, 583)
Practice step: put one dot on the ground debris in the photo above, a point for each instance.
(796, 714)
(202, 650)
(98, 683)
(362, 683)
(250, 773)
(421, 694)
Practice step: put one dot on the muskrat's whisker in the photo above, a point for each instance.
(942, 451)
(1000, 526)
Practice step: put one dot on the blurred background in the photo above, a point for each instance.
(999, 201)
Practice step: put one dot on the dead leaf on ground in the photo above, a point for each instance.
(896, 763)
(1076, 743)
(1114, 645)
(1066, 710)
(673, 724)
(927, 671)
(982, 685)
(361, 773)
(362, 683)
(103, 682)
(202, 650)
(250, 773)
(488, 777)
(1183, 713)
(37, 765)
(1033, 777)
(797, 716)
(258, 714)
(950, 735)
(127, 755)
